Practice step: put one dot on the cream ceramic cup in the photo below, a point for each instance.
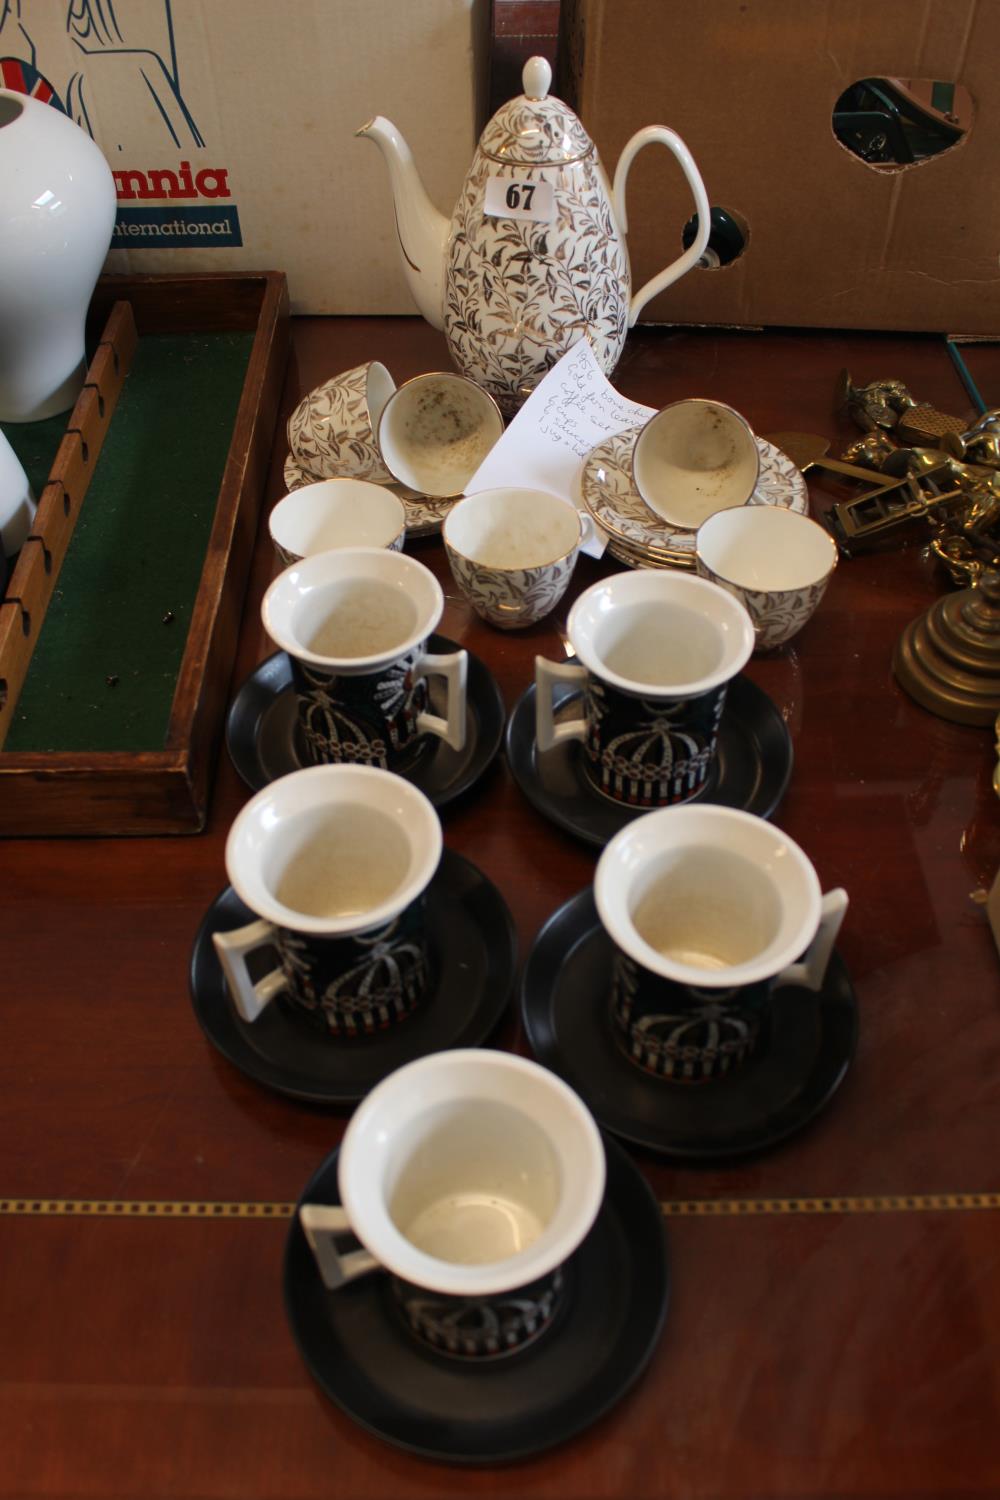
(333, 861)
(468, 1175)
(710, 910)
(512, 552)
(331, 432)
(336, 513)
(693, 458)
(436, 430)
(775, 561)
(355, 624)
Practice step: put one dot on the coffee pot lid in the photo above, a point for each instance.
(533, 128)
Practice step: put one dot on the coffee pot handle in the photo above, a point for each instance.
(691, 256)
(547, 731)
(810, 971)
(453, 667)
(322, 1226)
(250, 998)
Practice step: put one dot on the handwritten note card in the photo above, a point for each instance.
(569, 412)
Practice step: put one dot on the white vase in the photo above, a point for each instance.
(17, 504)
(57, 213)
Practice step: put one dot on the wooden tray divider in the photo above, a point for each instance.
(41, 557)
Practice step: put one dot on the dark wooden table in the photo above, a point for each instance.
(835, 1318)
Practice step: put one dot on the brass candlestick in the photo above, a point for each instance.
(948, 658)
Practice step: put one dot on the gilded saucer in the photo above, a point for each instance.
(642, 539)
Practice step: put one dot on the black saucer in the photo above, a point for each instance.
(474, 944)
(799, 1067)
(752, 766)
(263, 742)
(358, 1348)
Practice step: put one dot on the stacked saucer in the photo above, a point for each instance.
(642, 539)
(423, 440)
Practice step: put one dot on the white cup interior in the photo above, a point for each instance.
(479, 1183)
(336, 513)
(512, 528)
(471, 1172)
(660, 633)
(708, 896)
(705, 908)
(333, 850)
(694, 458)
(435, 431)
(359, 607)
(766, 548)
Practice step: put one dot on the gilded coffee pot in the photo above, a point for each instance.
(534, 255)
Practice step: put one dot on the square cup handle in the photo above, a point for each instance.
(810, 971)
(453, 667)
(322, 1226)
(547, 731)
(251, 999)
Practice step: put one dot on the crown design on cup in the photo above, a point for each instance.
(685, 1045)
(653, 760)
(385, 985)
(333, 733)
(475, 1329)
(636, 778)
(330, 734)
(674, 1057)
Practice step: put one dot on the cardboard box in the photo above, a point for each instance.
(751, 85)
(229, 125)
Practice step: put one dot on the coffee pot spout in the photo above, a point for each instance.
(421, 231)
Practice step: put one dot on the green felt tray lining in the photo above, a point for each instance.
(103, 672)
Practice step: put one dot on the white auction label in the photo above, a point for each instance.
(517, 198)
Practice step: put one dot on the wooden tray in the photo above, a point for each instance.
(161, 790)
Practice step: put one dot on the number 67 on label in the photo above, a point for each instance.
(519, 199)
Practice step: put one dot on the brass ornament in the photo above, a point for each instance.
(881, 512)
(808, 450)
(925, 425)
(947, 478)
(870, 451)
(878, 404)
